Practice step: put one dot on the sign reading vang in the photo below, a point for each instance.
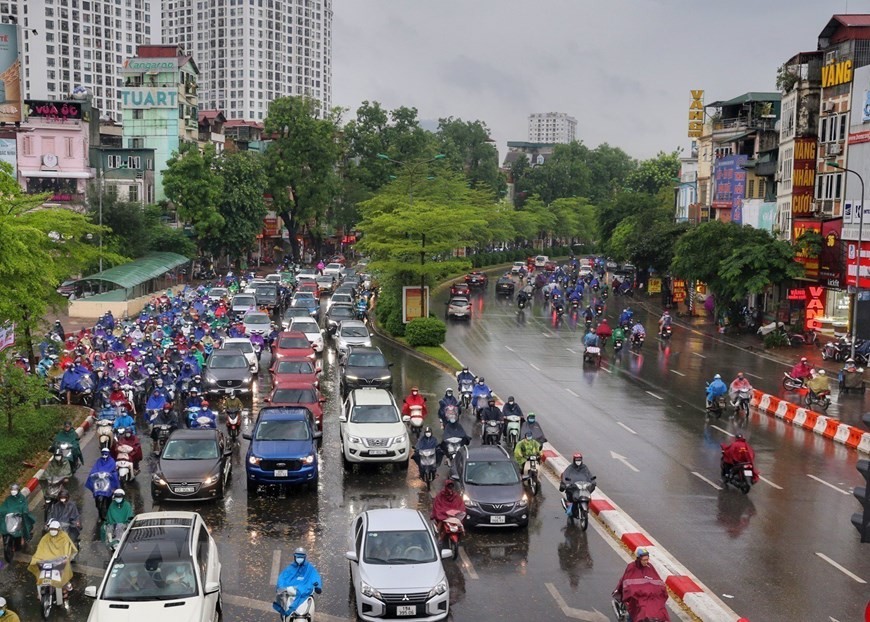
(696, 114)
(834, 74)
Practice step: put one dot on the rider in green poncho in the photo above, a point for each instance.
(16, 503)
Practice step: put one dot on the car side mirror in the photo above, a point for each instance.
(318, 370)
(212, 587)
(351, 556)
(342, 419)
(322, 400)
(446, 554)
(267, 400)
(247, 436)
(91, 591)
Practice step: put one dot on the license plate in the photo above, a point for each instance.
(181, 489)
(46, 581)
(747, 472)
(496, 519)
(406, 610)
(280, 472)
(377, 452)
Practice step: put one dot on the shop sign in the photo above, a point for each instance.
(143, 97)
(413, 304)
(834, 74)
(654, 286)
(10, 74)
(678, 287)
(810, 263)
(859, 137)
(852, 264)
(271, 226)
(815, 306)
(730, 182)
(58, 112)
(696, 114)
(803, 176)
(797, 293)
(140, 65)
(832, 268)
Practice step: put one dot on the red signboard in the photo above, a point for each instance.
(810, 264)
(678, 290)
(803, 177)
(799, 293)
(271, 225)
(859, 137)
(832, 267)
(852, 262)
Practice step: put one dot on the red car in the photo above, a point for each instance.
(338, 258)
(309, 286)
(550, 266)
(459, 289)
(292, 344)
(302, 394)
(295, 370)
(476, 279)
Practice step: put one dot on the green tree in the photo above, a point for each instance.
(301, 163)
(623, 205)
(609, 166)
(654, 174)
(192, 184)
(20, 393)
(469, 150)
(565, 174)
(241, 205)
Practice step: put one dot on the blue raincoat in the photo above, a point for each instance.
(715, 389)
(103, 466)
(304, 578)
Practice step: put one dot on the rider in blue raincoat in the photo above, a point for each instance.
(716, 389)
(302, 575)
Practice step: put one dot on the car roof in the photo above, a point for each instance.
(185, 434)
(395, 519)
(365, 350)
(284, 383)
(249, 313)
(372, 397)
(284, 413)
(292, 333)
(487, 452)
(303, 320)
(455, 299)
(341, 305)
(227, 352)
(354, 324)
(236, 340)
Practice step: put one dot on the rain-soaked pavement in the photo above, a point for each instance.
(786, 551)
(549, 571)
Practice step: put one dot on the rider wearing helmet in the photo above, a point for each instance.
(511, 408)
(531, 425)
(716, 389)
(577, 471)
(303, 577)
(642, 590)
(802, 370)
(448, 400)
(427, 440)
(525, 449)
(737, 452)
(819, 384)
(464, 376)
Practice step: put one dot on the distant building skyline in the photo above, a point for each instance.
(552, 128)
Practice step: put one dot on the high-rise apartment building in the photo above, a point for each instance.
(551, 127)
(70, 43)
(251, 52)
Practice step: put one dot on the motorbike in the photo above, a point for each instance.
(415, 420)
(666, 332)
(822, 398)
(51, 490)
(113, 534)
(190, 415)
(716, 407)
(558, 308)
(619, 609)
(522, 299)
(203, 422)
(480, 403)
(465, 394)
(592, 355)
(105, 431)
(234, 423)
(67, 450)
(576, 501)
(102, 492)
(451, 530)
(13, 539)
(836, 350)
(741, 402)
(617, 345)
(51, 592)
(512, 430)
(575, 305)
(740, 476)
(124, 464)
(428, 465)
(531, 477)
(454, 444)
(163, 432)
(599, 310)
(305, 611)
(491, 432)
(790, 383)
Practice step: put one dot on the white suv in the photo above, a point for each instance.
(162, 557)
(371, 429)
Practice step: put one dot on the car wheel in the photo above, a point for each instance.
(346, 464)
(312, 485)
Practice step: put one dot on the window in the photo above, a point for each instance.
(113, 161)
(761, 188)
(138, 113)
(68, 147)
(202, 553)
(133, 162)
(27, 146)
(829, 186)
(751, 190)
(134, 194)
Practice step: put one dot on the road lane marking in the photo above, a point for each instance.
(624, 461)
(468, 565)
(821, 481)
(276, 567)
(533, 366)
(846, 572)
(746, 373)
(571, 612)
(770, 483)
(658, 397)
(571, 392)
(606, 369)
(701, 355)
(721, 430)
(510, 349)
(702, 478)
(571, 351)
(622, 425)
(679, 373)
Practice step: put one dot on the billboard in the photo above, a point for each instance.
(413, 304)
(55, 111)
(803, 177)
(149, 65)
(730, 179)
(832, 265)
(808, 261)
(10, 75)
(9, 153)
(696, 114)
(145, 97)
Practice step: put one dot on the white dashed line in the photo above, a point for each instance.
(701, 355)
(821, 481)
(622, 425)
(571, 351)
(658, 397)
(704, 479)
(679, 373)
(769, 483)
(848, 573)
(467, 563)
(721, 430)
(276, 566)
(510, 348)
(533, 366)
(572, 392)
(746, 373)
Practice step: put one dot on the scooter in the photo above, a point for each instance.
(285, 598)
(163, 432)
(666, 332)
(454, 444)
(51, 491)
(465, 394)
(113, 534)
(617, 345)
(531, 477)
(234, 423)
(51, 592)
(716, 407)
(67, 450)
(105, 431)
(203, 422)
(415, 420)
(822, 398)
(124, 464)
(592, 355)
(491, 432)
(741, 402)
(576, 501)
(451, 530)
(790, 383)
(522, 300)
(637, 341)
(427, 461)
(512, 430)
(740, 476)
(13, 538)
(102, 492)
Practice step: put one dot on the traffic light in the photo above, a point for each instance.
(861, 520)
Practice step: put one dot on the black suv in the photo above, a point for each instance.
(491, 486)
(365, 367)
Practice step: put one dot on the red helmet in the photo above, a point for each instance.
(204, 404)
(577, 456)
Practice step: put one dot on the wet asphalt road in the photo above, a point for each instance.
(639, 420)
(507, 575)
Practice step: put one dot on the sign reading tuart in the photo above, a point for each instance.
(143, 97)
(696, 114)
(834, 74)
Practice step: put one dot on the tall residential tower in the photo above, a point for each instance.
(551, 127)
(250, 52)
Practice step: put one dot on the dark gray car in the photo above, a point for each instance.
(365, 367)
(228, 370)
(491, 484)
(337, 314)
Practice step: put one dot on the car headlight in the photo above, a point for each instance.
(248, 380)
(208, 481)
(468, 501)
(210, 379)
(350, 377)
(308, 459)
(524, 501)
(158, 479)
(254, 460)
(438, 589)
(399, 439)
(369, 591)
(355, 439)
(387, 377)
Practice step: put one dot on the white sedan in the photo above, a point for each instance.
(311, 329)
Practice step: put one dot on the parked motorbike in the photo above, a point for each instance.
(531, 478)
(51, 591)
(305, 611)
(836, 350)
(576, 501)
(13, 539)
(790, 383)
(415, 420)
(740, 476)
(428, 466)
(491, 432)
(451, 530)
(512, 430)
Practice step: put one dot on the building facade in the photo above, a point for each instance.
(552, 128)
(686, 194)
(159, 105)
(79, 43)
(252, 53)
(129, 171)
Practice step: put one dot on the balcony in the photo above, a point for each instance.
(743, 123)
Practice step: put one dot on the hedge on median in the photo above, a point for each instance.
(425, 331)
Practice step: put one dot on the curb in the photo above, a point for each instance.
(33, 482)
(683, 585)
(828, 427)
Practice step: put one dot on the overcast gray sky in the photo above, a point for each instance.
(622, 68)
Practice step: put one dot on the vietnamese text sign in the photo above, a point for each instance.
(696, 114)
(803, 180)
(10, 75)
(730, 182)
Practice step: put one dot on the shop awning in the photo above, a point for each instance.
(139, 270)
(57, 174)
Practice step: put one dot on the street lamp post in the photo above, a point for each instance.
(412, 167)
(858, 263)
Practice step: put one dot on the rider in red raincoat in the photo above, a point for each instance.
(604, 331)
(738, 452)
(447, 499)
(414, 399)
(643, 591)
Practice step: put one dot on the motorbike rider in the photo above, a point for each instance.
(117, 396)
(120, 512)
(6, 614)
(164, 416)
(716, 389)
(204, 411)
(448, 400)
(58, 467)
(737, 452)
(738, 384)
(664, 320)
(128, 438)
(591, 340)
(526, 448)
(453, 429)
(604, 331)
(577, 471)
(492, 413)
(638, 331)
(447, 500)
(16, 503)
(512, 408)
(531, 425)
(414, 399)
(464, 376)
(802, 370)
(480, 392)
(66, 512)
(642, 590)
(850, 376)
(233, 404)
(819, 384)
(68, 435)
(194, 399)
(54, 545)
(427, 440)
(104, 464)
(302, 575)
(124, 420)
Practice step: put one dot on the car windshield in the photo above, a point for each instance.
(266, 290)
(295, 312)
(399, 547)
(374, 413)
(354, 331)
(459, 302)
(282, 431)
(241, 346)
(228, 362)
(492, 473)
(342, 298)
(190, 449)
(341, 312)
(307, 272)
(257, 318)
(324, 279)
(243, 301)
(217, 291)
(306, 327)
(293, 342)
(333, 266)
(150, 579)
(294, 396)
(303, 296)
(295, 367)
(366, 359)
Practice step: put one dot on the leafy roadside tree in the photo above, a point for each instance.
(652, 175)
(241, 204)
(469, 150)
(192, 184)
(20, 393)
(301, 163)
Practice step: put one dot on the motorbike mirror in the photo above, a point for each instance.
(446, 554)
(322, 400)
(91, 591)
(351, 556)
(228, 452)
(247, 436)
(405, 418)
(594, 477)
(212, 587)
(390, 364)
(342, 419)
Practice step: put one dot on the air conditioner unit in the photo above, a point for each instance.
(833, 150)
(827, 106)
(827, 210)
